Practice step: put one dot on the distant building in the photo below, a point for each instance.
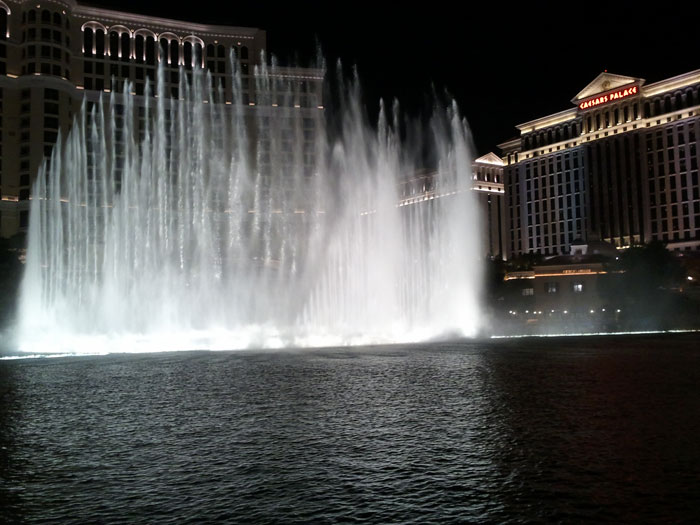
(562, 293)
(488, 184)
(55, 53)
(620, 166)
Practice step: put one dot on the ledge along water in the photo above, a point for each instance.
(165, 224)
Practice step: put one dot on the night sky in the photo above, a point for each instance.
(504, 66)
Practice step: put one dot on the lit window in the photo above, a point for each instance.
(578, 287)
(551, 287)
(528, 291)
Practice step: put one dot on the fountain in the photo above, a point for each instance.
(191, 224)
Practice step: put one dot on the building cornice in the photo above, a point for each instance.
(161, 24)
(677, 82)
(491, 159)
(299, 73)
(550, 120)
(509, 145)
(68, 4)
(605, 82)
(157, 24)
(640, 123)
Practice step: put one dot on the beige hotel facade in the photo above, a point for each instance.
(620, 166)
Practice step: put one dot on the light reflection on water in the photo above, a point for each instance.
(597, 429)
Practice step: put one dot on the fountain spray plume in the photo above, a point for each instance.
(181, 222)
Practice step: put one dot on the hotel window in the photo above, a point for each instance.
(551, 287)
(150, 51)
(528, 291)
(99, 43)
(113, 45)
(125, 47)
(578, 287)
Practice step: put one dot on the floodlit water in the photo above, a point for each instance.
(597, 429)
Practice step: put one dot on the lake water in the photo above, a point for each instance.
(597, 429)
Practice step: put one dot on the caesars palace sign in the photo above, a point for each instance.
(603, 99)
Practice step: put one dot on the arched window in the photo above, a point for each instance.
(557, 135)
(32, 16)
(174, 53)
(626, 114)
(3, 24)
(647, 109)
(113, 45)
(187, 54)
(57, 19)
(150, 51)
(198, 55)
(221, 51)
(689, 98)
(139, 49)
(99, 44)
(616, 119)
(244, 53)
(679, 100)
(163, 51)
(46, 16)
(125, 47)
(657, 107)
(87, 42)
(211, 51)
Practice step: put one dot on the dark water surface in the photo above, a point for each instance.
(598, 429)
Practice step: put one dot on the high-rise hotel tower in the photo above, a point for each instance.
(56, 53)
(620, 166)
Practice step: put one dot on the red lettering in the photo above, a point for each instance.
(615, 95)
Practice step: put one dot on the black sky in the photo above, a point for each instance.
(503, 64)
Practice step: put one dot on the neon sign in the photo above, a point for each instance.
(615, 95)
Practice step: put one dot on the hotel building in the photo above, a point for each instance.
(56, 53)
(487, 174)
(487, 185)
(620, 166)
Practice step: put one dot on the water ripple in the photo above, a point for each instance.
(525, 431)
